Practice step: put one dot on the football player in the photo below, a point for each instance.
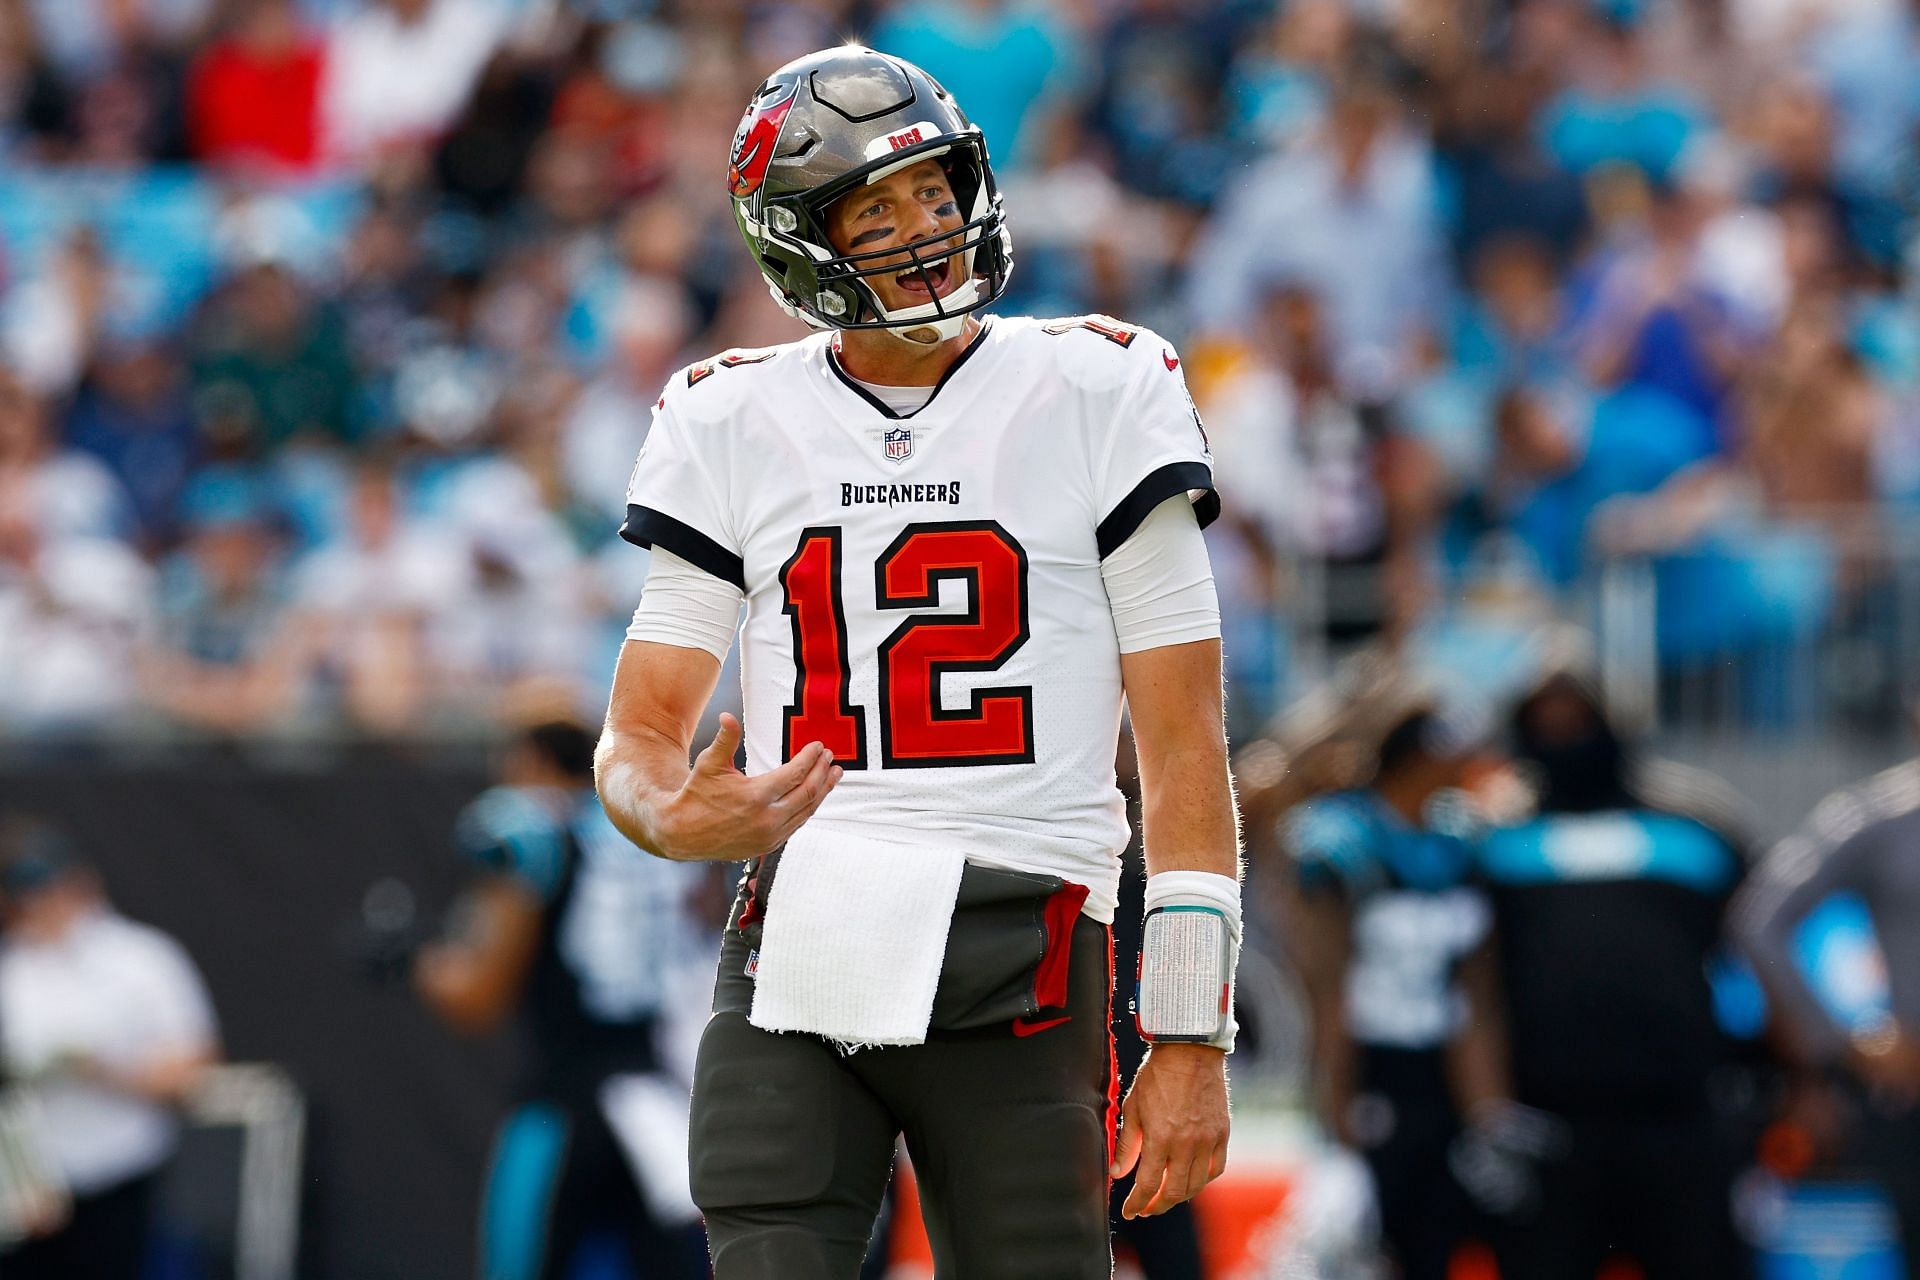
(961, 541)
(567, 929)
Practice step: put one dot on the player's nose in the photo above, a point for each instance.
(920, 222)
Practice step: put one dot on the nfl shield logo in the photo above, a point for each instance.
(899, 443)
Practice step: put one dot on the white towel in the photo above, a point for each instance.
(855, 933)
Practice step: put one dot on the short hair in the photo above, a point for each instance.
(1410, 740)
(566, 745)
(34, 854)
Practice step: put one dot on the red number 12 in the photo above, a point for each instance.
(916, 731)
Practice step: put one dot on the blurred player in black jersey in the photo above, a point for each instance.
(570, 926)
(1608, 907)
(1390, 936)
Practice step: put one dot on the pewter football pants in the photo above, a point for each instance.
(792, 1142)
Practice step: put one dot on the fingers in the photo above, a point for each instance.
(1167, 1177)
(1191, 1181)
(798, 804)
(776, 782)
(1126, 1147)
(1152, 1171)
(719, 754)
(790, 783)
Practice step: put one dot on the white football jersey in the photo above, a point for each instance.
(923, 590)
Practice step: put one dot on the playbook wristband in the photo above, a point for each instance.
(1189, 948)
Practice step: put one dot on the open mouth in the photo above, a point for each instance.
(939, 275)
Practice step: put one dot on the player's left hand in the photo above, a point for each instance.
(1173, 1127)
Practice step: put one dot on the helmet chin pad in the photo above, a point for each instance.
(928, 333)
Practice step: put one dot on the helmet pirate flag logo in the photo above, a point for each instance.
(754, 141)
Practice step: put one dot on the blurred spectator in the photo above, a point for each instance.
(651, 324)
(1859, 841)
(83, 38)
(253, 97)
(1278, 86)
(1514, 324)
(481, 163)
(1315, 471)
(387, 294)
(73, 611)
(1869, 61)
(1527, 511)
(399, 71)
(1069, 202)
(519, 622)
(1613, 112)
(1160, 65)
(362, 605)
(54, 319)
(60, 493)
(133, 414)
(1295, 451)
(1812, 413)
(446, 381)
(567, 926)
(108, 1024)
(1607, 909)
(1001, 56)
(1648, 321)
(617, 103)
(219, 661)
(1351, 215)
(1391, 940)
(272, 365)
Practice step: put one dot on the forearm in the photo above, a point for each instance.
(1331, 1064)
(1319, 940)
(702, 808)
(636, 770)
(167, 1080)
(1186, 788)
(1187, 810)
(1477, 1056)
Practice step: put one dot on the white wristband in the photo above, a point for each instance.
(1189, 948)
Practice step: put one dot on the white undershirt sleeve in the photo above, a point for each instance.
(684, 605)
(1159, 582)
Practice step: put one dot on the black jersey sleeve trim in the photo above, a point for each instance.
(646, 527)
(1159, 484)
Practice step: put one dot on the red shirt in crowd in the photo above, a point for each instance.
(253, 106)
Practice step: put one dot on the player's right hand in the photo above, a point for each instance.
(722, 815)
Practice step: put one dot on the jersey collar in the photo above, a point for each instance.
(880, 407)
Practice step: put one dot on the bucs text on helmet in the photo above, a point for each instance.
(837, 119)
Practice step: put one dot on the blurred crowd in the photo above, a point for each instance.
(329, 328)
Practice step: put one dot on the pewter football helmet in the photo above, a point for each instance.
(828, 122)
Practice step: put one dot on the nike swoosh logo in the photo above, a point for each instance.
(1021, 1027)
